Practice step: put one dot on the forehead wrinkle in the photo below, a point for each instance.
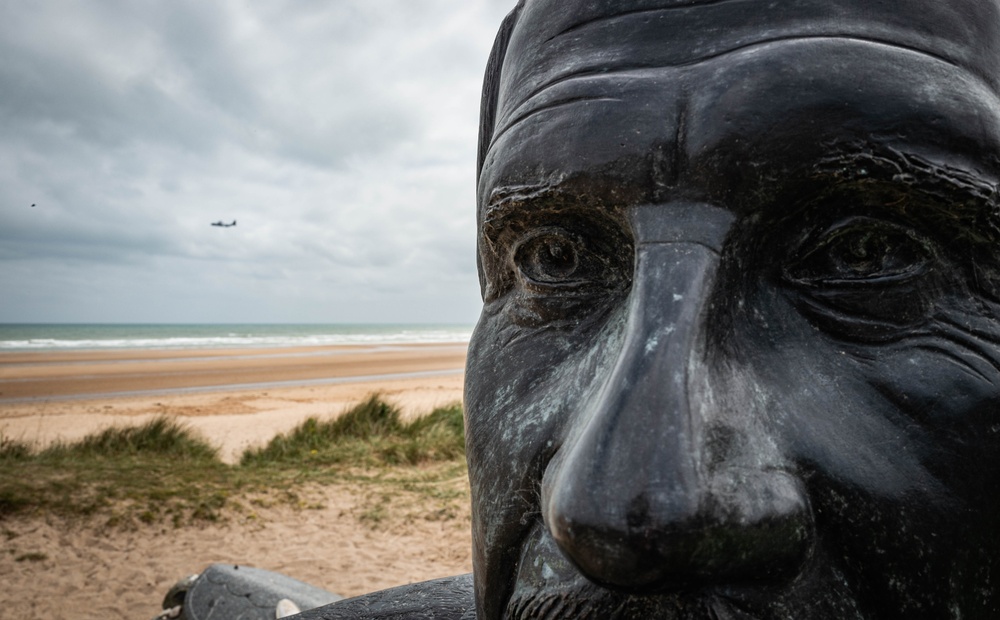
(691, 4)
(507, 126)
(518, 114)
(967, 31)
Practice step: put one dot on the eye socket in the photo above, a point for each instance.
(866, 279)
(550, 257)
(566, 275)
(861, 251)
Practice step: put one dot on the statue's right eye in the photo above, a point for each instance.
(565, 275)
(550, 257)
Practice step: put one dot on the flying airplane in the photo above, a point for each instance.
(223, 224)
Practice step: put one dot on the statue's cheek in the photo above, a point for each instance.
(946, 380)
(940, 380)
(523, 393)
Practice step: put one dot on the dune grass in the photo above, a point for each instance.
(163, 471)
(162, 437)
(13, 450)
(372, 433)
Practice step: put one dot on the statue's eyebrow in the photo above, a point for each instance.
(968, 200)
(538, 200)
(505, 200)
(909, 169)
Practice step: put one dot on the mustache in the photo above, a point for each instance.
(582, 605)
(549, 587)
(595, 603)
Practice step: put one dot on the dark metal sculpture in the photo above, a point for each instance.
(740, 355)
(740, 352)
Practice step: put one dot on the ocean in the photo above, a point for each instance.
(56, 337)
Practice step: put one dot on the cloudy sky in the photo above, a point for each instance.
(341, 135)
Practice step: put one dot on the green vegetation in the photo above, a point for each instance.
(12, 450)
(163, 471)
(370, 434)
(160, 437)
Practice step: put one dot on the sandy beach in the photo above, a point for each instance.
(235, 398)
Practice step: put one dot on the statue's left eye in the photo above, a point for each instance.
(866, 279)
(861, 251)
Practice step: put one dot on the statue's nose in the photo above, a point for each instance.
(637, 497)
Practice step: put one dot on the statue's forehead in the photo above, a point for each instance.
(556, 40)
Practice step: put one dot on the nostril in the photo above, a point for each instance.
(637, 515)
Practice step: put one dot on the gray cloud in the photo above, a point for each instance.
(341, 137)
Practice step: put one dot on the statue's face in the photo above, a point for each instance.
(740, 350)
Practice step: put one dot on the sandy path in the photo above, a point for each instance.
(83, 569)
(72, 570)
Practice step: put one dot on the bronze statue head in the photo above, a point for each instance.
(740, 354)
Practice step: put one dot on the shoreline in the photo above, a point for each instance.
(29, 356)
(69, 374)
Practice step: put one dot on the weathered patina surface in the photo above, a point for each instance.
(739, 356)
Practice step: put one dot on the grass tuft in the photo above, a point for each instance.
(371, 433)
(160, 436)
(13, 450)
(372, 418)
